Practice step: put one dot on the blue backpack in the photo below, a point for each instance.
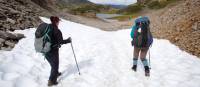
(141, 34)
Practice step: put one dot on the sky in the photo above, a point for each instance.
(115, 2)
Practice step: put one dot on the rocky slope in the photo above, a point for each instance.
(23, 14)
(180, 24)
(75, 1)
(16, 15)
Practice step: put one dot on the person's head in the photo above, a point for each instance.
(54, 20)
(138, 23)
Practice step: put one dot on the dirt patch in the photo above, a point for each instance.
(180, 24)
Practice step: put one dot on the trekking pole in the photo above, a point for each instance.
(75, 58)
(149, 60)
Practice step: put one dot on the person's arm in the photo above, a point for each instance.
(68, 40)
(60, 38)
(132, 31)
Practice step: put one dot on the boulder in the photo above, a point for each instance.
(2, 16)
(10, 36)
(2, 42)
(10, 44)
(11, 20)
(19, 36)
(3, 35)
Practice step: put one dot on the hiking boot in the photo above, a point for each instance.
(147, 71)
(51, 83)
(134, 68)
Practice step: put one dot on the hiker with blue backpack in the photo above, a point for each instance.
(142, 39)
(48, 41)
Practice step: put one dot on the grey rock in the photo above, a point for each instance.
(6, 48)
(11, 20)
(11, 36)
(10, 44)
(2, 16)
(3, 35)
(7, 36)
(1, 42)
(19, 36)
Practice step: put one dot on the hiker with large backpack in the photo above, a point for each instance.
(141, 40)
(48, 41)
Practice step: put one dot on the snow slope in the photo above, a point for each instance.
(105, 60)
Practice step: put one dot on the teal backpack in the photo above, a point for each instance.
(141, 34)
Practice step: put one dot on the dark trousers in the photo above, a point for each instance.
(53, 59)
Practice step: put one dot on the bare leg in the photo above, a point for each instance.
(144, 61)
(135, 58)
(136, 52)
(143, 53)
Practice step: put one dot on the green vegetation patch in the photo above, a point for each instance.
(110, 11)
(134, 8)
(88, 8)
(160, 4)
(125, 17)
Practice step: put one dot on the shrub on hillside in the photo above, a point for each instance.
(159, 4)
(132, 9)
(154, 5)
(88, 8)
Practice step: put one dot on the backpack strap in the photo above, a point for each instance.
(46, 36)
(48, 30)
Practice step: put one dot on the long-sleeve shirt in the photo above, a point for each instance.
(134, 28)
(57, 38)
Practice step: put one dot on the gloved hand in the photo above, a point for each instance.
(132, 42)
(69, 39)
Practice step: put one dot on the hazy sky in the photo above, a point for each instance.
(121, 2)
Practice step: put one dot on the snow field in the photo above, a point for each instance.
(104, 58)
